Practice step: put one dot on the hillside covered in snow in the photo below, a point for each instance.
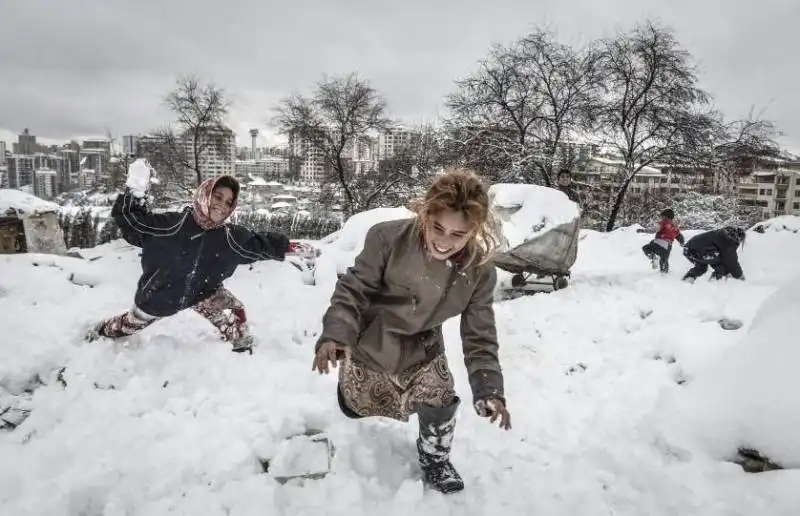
(627, 396)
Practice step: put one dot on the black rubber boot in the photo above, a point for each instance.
(436, 429)
(244, 345)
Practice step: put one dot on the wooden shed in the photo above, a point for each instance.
(29, 224)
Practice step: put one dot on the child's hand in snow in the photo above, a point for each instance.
(328, 353)
(139, 177)
(494, 408)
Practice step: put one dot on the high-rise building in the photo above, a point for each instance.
(27, 144)
(45, 185)
(392, 139)
(130, 145)
(20, 170)
(308, 159)
(83, 178)
(71, 161)
(101, 144)
(253, 136)
(95, 159)
(217, 156)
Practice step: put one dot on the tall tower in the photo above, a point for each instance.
(254, 135)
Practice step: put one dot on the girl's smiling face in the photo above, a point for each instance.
(446, 234)
(221, 204)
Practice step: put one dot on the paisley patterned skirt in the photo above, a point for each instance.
(371, 393)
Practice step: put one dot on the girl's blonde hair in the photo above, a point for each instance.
(460, 189)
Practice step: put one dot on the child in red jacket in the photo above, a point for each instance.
(661, 246)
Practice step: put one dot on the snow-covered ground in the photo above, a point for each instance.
(591, 378)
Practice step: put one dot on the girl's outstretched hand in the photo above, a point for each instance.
(494, 409)
(327, 353)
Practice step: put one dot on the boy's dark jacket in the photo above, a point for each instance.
(182, 263)
(716, 247)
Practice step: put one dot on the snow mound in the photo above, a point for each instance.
(189, 423)
(526, 211)
(339, 250)
(749, 397)
(24, 203)
(782, 223)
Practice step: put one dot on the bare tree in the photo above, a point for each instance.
(524, 106)
(653, 107)
(738, 145)
(199, 126)
(332, 122)
(167, 154)
(407, 172)
(180, 150)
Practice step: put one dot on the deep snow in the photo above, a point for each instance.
(748, 397)
(587, 372)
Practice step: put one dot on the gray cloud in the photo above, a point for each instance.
(71, 69)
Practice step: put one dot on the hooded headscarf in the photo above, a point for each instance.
(736, 234)
(202, 200)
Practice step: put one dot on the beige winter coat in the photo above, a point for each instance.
(389, 307)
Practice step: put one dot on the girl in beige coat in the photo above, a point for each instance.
(385, 320)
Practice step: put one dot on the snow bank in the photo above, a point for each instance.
(24, 203)
(782, 223)
(340, 249)
(750, 396)
(529, 210)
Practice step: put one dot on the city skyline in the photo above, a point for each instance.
(114, 71)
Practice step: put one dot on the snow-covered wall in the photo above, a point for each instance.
(23, 203)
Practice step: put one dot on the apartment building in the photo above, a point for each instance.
(267, 167)
(392, 139)
(309, 163)
(101, 144)
(45, 183)
(598, 175)
(84, 178)
(217, 151)
(218, 157)
(130, 145)
(773, 187)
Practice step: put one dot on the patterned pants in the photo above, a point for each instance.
(222, 310)
(372, 393)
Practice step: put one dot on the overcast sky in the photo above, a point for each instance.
(75, 68)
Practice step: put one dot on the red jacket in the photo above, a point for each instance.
(668, 232)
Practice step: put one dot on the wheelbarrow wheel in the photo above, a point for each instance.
(560, 282)
(518, 280)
